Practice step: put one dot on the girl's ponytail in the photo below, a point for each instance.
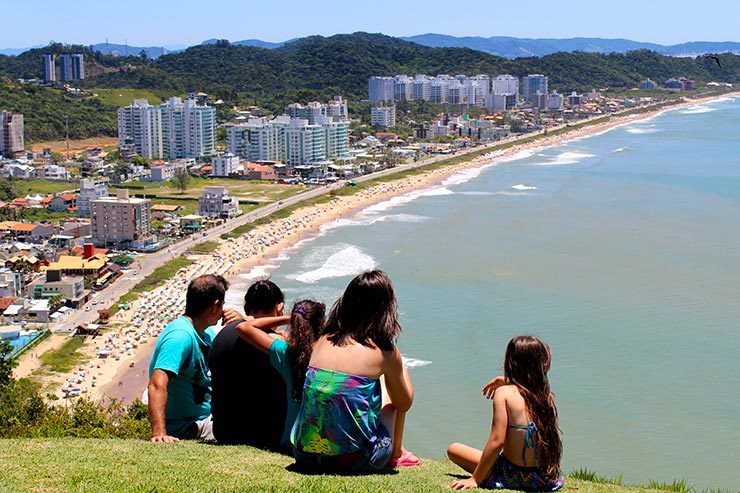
(306, 323)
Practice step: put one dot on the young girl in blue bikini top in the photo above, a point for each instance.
(524, 447)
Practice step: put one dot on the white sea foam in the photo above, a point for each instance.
(258, 272)
(464, 175)
(414, 363)
(522, 186)
(405, 199)
(642, 130)
(404, 218)
(347, 262)
(524, 154)
(510, 194)
(620, 149)
(567, 157)
(474, 192)
(696, 109)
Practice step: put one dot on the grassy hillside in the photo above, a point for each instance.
(138, 466)
(124, 97)
(43, 110)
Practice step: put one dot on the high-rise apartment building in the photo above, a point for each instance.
(505, 84)
(118, 221)
(381, 89)
(403, 88)
(141, 123)
(11, 133)
(49, 68)
(65, 67)
(173, 130)
(78, 66)
(383, 116)
(532, 84)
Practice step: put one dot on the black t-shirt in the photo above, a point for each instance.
(248, 399)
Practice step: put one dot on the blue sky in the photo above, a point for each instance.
(186, 22)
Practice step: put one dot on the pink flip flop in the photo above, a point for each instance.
(407, 459)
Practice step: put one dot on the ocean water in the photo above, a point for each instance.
(621, 250)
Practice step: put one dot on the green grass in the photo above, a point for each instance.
(43, 187)
(591, 476)
(124, 97)
(65, 358)
(205, 247)
(77, 465)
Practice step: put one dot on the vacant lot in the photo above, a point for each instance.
(124, 97)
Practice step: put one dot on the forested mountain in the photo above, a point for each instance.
(318, 68)
(29, 65)
(510, 47)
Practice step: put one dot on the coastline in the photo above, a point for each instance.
(125, 377)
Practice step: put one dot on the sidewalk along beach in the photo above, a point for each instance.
(117, 364)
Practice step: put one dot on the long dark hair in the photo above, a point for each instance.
(526, 364)
(367, 312)
(306, 323)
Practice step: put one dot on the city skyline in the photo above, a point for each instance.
(658, 22)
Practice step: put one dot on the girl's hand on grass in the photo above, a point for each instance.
(464, 484)
(491, 386)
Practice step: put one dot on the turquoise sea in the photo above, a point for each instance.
(621, 250)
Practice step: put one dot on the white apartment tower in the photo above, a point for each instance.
(506, 84)
(172, 130)
(383, 116)
(49, 69)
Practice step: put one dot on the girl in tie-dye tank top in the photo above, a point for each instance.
(356, 392)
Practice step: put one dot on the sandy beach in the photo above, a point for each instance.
(118, 359)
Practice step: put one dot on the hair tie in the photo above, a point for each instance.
(299, 309)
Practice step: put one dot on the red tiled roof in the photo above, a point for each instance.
(67, 196)
(6, 302)
(23, 227)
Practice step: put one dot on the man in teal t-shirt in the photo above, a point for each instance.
(179, 379)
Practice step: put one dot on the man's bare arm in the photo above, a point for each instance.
(157, 404)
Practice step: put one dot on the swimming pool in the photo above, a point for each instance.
(22, 341)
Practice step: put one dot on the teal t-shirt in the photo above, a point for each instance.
(180, 351)
(279, 361)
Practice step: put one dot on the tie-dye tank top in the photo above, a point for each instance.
(339, 413)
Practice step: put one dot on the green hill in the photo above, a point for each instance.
(320, 67)
(312, 68)
(71, 465)
(43, 110)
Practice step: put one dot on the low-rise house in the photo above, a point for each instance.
(52, 172)
(15, 169)
(191, 222)
(216, 203)
(32, 232)
(11, 283)
(257, 171)
(71, 289)
(65, 202)
(95, 266)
